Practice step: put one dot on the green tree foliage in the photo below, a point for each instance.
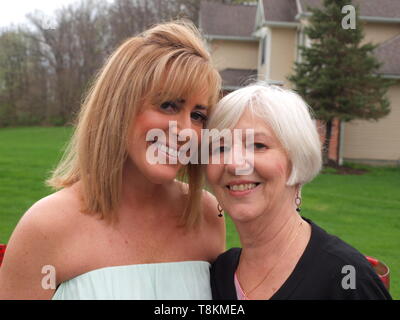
(337, 74)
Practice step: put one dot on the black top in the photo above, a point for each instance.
(317, 275)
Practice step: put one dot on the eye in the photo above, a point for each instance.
(257, 146)
(199, 117)
(169, 107)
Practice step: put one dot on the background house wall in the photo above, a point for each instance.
(379, 32)
(234, 54)
(370, 141)
(283, 54)
(375, 142)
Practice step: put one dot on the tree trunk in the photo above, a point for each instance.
(327, 140)
(339, 130)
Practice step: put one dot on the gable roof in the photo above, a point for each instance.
(388, 53)
(288, 10)
(235, 78)
(384, 9)
(280, 10)
(219, 19)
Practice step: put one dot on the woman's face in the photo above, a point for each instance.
(246, 197)
(188, 113)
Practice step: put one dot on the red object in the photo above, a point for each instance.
(381, 269)
(2, 251)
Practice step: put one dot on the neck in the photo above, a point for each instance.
(138, 194)
(264, 238)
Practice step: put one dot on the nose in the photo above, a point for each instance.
(182, 128)
(241, 161)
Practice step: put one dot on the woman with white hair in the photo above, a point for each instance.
(283, 255)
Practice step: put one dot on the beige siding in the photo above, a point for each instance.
(380, 32)
(283, 53)
(375, 140)
(234, 54)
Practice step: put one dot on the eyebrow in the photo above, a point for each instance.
(200, 107)
(197, 106)
(260, 133)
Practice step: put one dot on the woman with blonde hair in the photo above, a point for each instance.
(120, 227)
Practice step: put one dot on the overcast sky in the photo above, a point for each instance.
(14, 11)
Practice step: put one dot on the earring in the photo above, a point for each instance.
(297, 201)
(219, 208)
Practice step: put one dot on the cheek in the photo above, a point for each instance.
(285, 167)
(213, 173)
(197, 134)
(142, 126)
(148, 120)
(273, 168)
(282, 169)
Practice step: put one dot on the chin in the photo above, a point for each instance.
(160, 174)
(243, 213)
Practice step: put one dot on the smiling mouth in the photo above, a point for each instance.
(172, 152)
(243, 187)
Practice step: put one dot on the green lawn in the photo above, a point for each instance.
(26, 157)
(362, 210)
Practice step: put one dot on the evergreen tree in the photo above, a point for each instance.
(337, 75)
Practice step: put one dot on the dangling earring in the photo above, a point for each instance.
(297, 201)
(219, 208)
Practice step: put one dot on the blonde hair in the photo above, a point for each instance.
(170, 60)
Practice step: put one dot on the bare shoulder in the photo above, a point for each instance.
(55, 214)
(34, 245)
(216, 224)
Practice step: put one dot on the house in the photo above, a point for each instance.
(261, 42)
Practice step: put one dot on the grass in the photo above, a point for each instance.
(363, 210)
(26, 157)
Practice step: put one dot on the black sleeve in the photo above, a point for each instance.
(334, 270)
(367, 286)
(353, 278)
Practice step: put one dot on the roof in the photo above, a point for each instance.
(368, 8)
(234, 78)
(280, 10)
(227, 19)
(388, 53)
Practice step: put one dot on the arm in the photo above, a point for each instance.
(368, 286)
(31, 247)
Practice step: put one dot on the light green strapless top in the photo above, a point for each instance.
(184, 280)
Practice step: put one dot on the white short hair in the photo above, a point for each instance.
(287, 114)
